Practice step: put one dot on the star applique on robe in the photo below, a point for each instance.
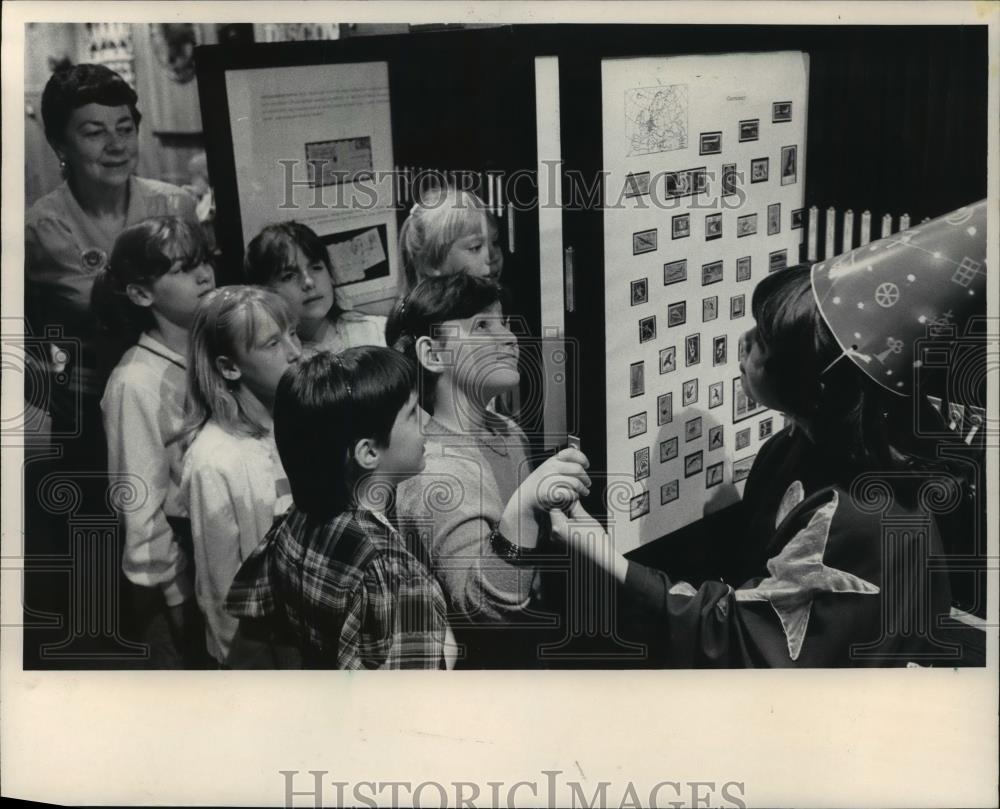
(798, 573)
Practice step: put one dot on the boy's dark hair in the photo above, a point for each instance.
(70, 88)
(141, 254)
(431, 302)
(325, 404)
(851, 415)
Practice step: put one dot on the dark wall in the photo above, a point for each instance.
(897, 119)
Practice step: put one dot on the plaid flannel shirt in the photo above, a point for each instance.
(350, 590)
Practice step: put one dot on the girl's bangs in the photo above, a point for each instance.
(462, 221)
(184, 244)
(253, 317)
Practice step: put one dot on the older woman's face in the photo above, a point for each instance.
(101, 145)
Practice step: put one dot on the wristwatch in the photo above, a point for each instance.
(507, 550)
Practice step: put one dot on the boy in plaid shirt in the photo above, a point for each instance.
(334, 572)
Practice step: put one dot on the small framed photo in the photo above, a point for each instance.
(647, 329)
(668, 359)
(640, 462)
(765, 427)
(637, 184)
(636, 425)
(746, 225)
(789, 164)
(759, 169)
(684, 183)
(743, 268)
(675, 271)
(668, 449)
(713, 475)
(680, 226)
(710, 143)
(741, 350)
(773, 218)
(636, 381)
(676, 314)
(715, 395)
(719, 350)
(743, 439)
(798, 218)
(669, 491)
(709, 308)
(713, 227)
(742, 467)
(711, 273)
(743, 405)
(698, 179)
(689, 392)
(777, 260)
(644, 241)
(692, 350)
(638, 506)
(737, 307)
(664, 409)
(781, 112)
(692, 429)
(715, 437)
(693, 464)
(749, 130)
(640, 291)
(730, 179)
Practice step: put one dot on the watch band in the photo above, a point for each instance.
(507, 550)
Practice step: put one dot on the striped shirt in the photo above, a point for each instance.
(351, 590)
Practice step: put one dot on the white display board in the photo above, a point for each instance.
(314, 143)
(704, 159)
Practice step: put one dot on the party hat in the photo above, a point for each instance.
(881, 298)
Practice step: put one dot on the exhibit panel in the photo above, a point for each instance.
(704, 160)
(314, 143)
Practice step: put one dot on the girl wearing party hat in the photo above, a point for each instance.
(837, 512)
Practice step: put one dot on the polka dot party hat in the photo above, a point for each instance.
(881, 298)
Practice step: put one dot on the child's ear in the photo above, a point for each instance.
(366, 454)
(139, 295)
(430, 355)
(227, 368)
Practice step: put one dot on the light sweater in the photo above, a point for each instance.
(234, 487)
(455, 503)
(143, 409)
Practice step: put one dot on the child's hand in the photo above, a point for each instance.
(558, 483)
(575, 526)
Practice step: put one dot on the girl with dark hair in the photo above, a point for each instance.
(92, 123)
(290, 259)
(836, 519)
(478, 502)
(242, 341)
(157, 277)
(335, 574)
